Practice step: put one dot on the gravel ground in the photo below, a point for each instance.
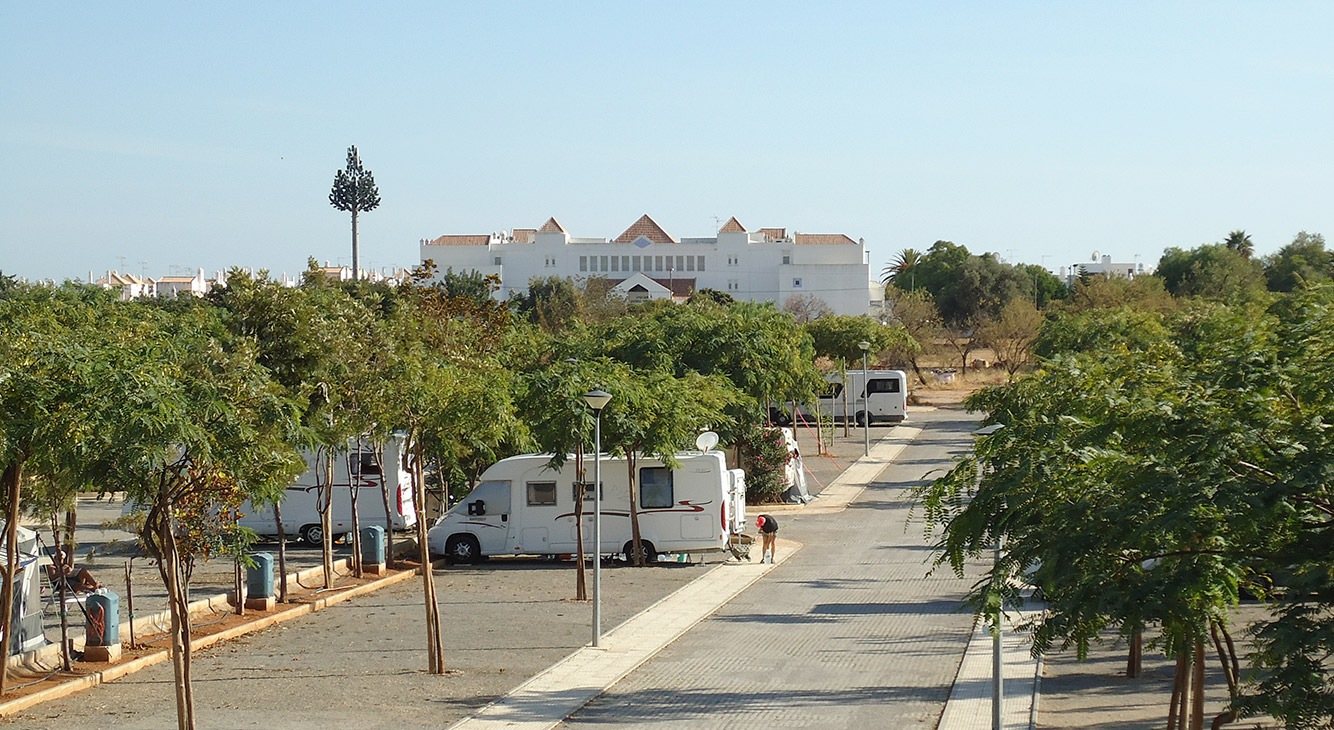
(504, 620)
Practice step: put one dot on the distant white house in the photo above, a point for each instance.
(646, 262)
(198, 285)
(1101, 265)
(129, 285)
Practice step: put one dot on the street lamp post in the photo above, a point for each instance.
(997, 658)
(597, 400)
(866, 400)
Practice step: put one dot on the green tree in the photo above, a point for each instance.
(354, 192)
(916, 313)
(900, 272)
(1240, 242)
(1213, 271)
(1304, 261)
(1012, 334)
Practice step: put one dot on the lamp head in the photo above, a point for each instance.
(597, 399)
(864, 345)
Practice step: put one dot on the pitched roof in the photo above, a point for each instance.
(525, 235)
(461, 240)
(646, 227)
(117, 279)
(732, 226)
(774, 234)
(822, 239)
(552, 226)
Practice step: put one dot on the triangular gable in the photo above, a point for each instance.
(646, 227)
(552, 226)
(732, 226)
(640, 282)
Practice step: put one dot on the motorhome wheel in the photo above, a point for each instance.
(650, 552)
(462, 549)
(312, 535)
(861, 418)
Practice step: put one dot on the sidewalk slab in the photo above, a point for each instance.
(969, 705)
(548, 698)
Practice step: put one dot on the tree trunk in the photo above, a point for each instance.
(13, 480)
(846, 432)
(129, 598)
(1197, 685)
(580, 582)
(282, 552)
(1135, 660)
(354, 488)
(434, 649)
(238, 586)
(1176, 710)
(61, 586)
(169, 565)
(638, 559)
(326, 520)
(377, 451)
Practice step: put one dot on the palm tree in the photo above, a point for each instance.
(903, 264)
(1240, 242)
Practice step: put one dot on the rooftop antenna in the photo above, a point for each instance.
(717, 224)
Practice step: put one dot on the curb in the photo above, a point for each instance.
(117, 671)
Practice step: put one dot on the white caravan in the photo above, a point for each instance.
(523, 507)
(300, 506)
(881, 393)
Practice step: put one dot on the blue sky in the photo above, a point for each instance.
(159, 137)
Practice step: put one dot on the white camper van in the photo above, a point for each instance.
(300, 506)
(523, 507)
(883, 394)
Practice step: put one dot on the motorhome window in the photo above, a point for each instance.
(835, 390)
(541, 494)
(883, 385)
(655, 487)
(588, 492)
(366, 464)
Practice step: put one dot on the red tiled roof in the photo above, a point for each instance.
(774, 234)
(822, 239)
(646, 227)
(461, 240)
(552, 226)
(525, 235)
(732, 226)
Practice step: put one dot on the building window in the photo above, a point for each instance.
(635, 262)
(541, 494)
(583, 263)
(625, 263)
(796, 283)
(680, 263)
(496, 261)
(699, 263)
(603, 265)
(655, 487)
(787, 259)
(657, 264)
(733, 260)
(615, 263)
(733, 285)
(690, 263)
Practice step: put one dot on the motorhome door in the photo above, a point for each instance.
(489, 515)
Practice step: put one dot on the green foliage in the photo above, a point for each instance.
(1304, 261)
(764, 457)
(1109, 331)
(354, 187)
(964, 286)
(1215, 271)
(1154, 470)
(838, 336)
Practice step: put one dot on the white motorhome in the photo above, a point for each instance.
(523, 507)
(301, 502)
(26, 611)
(881, 393)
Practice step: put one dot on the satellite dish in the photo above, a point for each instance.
(706, 440)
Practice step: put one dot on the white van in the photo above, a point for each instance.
(881, 393)
(523, 507)
(300, 505)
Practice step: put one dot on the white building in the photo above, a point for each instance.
(1101, 265)
(767, 265)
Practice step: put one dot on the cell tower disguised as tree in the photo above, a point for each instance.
(354, 190)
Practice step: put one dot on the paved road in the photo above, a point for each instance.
(847, 633)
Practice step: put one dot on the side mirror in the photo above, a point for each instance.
(477, 507)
